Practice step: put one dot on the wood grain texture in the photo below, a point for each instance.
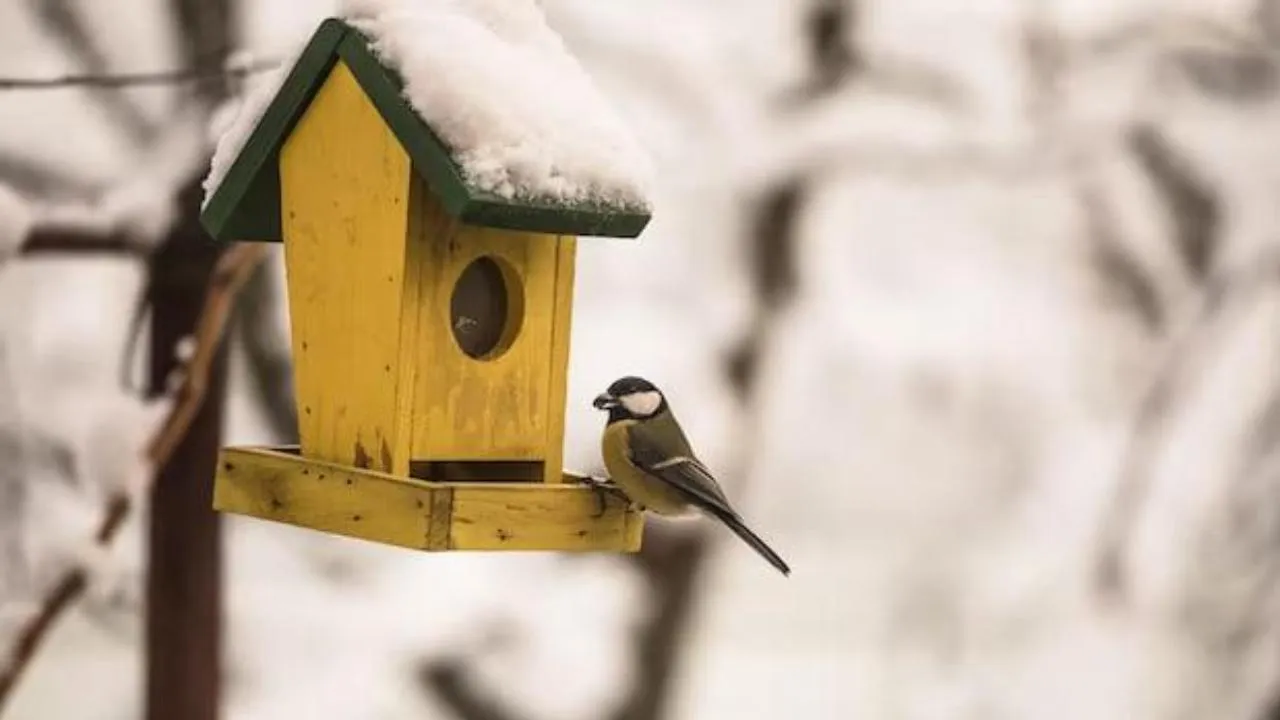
(410, 319)
(286, 487)
(322, 496)
(345, 184)
(529, 516)
(495, 408)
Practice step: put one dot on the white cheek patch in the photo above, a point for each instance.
(642, 404)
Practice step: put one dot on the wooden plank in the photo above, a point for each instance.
(345, 185)
(324, 496)
(494, 408)
(370, 505)
(411, 306)
(561, 330)
(534, 516)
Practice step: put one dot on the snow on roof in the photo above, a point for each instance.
(500, 88)
(523, 119)
(235, 120)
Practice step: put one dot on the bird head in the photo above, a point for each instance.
(631, 397)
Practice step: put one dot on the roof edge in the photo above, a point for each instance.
(246, 204)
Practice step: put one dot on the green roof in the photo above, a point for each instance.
(246, 204)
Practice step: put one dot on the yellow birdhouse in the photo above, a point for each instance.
(430, 324)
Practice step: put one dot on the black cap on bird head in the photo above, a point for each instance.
(631, 397)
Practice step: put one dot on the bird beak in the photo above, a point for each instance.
(604, 401)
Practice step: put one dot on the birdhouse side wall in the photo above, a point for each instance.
(345, 199)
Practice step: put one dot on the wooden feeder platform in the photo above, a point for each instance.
(277, 483)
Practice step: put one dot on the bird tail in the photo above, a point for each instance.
(762, 548)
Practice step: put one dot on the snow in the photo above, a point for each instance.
(497, 84)
(74, 140)
(233, 123)
(582, 618)
(16, 219)
(80, 435)
(522, 118)
(387, 613)
(1213, 594)
(142, 206)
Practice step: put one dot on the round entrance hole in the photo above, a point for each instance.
(486, 308)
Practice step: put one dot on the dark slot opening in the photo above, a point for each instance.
(480, 308)
(476, 470)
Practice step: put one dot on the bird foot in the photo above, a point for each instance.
(602, 488)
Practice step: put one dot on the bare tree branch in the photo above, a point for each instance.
(1195, 208)
(1163, 403)
(446, 680)
(31, 179)
(68, 27)
(72, 241)
(232, 270)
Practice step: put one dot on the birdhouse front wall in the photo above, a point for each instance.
(345, 192)
(503, 406)
(373, 260)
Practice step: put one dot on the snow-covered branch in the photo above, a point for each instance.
(229, 276)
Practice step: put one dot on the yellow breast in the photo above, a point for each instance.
(644, 490)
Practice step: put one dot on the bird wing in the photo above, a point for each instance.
(684, 472)
(690, 477)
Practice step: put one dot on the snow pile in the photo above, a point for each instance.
(497, 84)
(233, 122)
(522, 118)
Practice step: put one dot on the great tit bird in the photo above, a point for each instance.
(649, 459)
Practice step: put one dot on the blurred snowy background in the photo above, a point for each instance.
(975, 307)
